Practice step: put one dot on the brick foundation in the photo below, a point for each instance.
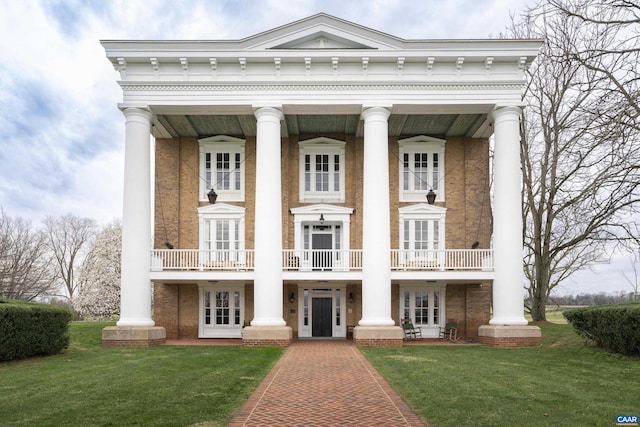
(267, 336)
(129, 343)
(378, 336)
(133, 336)
(511, 342)
(510, 336)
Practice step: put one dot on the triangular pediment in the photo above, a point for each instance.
(321, 32)
(322, 40)
(422, 208)
(321, 209)
(221, 209)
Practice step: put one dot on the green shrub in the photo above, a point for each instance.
(30, 329)
(614, 327)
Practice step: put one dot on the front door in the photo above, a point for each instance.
(321, 319)
(321, 245)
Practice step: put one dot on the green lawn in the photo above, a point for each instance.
(561, 383)
(89, 385)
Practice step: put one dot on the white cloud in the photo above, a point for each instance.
(63, 137)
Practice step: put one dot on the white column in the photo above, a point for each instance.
(268, 221)
(508, 286)
(376, 227)
(135, 288)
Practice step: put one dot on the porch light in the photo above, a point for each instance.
(212, 195)
(431, 197)
(321, 218)
(350, 297)
(292, 298)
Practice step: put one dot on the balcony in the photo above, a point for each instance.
(197, 264)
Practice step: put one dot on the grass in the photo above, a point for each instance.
(562, 382)
(160, 386)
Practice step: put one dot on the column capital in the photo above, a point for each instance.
(504, 112)
(143, 114)
(265, 112)
(379, 112)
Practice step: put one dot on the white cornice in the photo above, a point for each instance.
(319, 87)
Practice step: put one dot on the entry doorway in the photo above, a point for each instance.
(322, 312)
(321, 324)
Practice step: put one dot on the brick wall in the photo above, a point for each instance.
(511, 341)
(176, 220)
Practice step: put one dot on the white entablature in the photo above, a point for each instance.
(322, 60)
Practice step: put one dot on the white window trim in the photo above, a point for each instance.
(430, 330)
(422, 212)
(219, 331)
(421, 144)
(315, 146)
(217, 212)
(311, 215)
(221, 144)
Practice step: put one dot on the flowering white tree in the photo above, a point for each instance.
(98, 295)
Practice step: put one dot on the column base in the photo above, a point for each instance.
(378, 336)
(267, 336)
(510, 336)
(133, 336)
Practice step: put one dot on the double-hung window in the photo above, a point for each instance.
(222, 167)
(322, 170)
(421, 168)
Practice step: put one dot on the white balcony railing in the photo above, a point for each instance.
(321, 260)
(443, 259)
(201, 259)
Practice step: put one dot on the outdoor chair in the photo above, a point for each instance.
(410, 332)
(449, 331)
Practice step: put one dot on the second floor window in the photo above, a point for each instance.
(322, 170)
(221, 233)
(222, 168)
(422, 238)
(421, 168)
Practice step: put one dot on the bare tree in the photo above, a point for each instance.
(632, 276)
(618, 60)
(67, 237)
(580, 153)
(99, 291)
(24, 260)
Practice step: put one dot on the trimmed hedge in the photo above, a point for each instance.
(31, 329)
(613, 327)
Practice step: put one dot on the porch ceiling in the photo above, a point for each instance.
(439, 125)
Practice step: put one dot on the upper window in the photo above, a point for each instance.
(421, 168)
(322, 170)
(222, 168)
(422, 234)
(221, 233)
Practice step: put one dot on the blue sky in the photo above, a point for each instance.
(62, 134)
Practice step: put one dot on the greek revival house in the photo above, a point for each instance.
(321, 179)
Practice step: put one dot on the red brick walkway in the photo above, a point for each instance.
(324, 383)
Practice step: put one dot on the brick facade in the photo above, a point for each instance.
(468, 220)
